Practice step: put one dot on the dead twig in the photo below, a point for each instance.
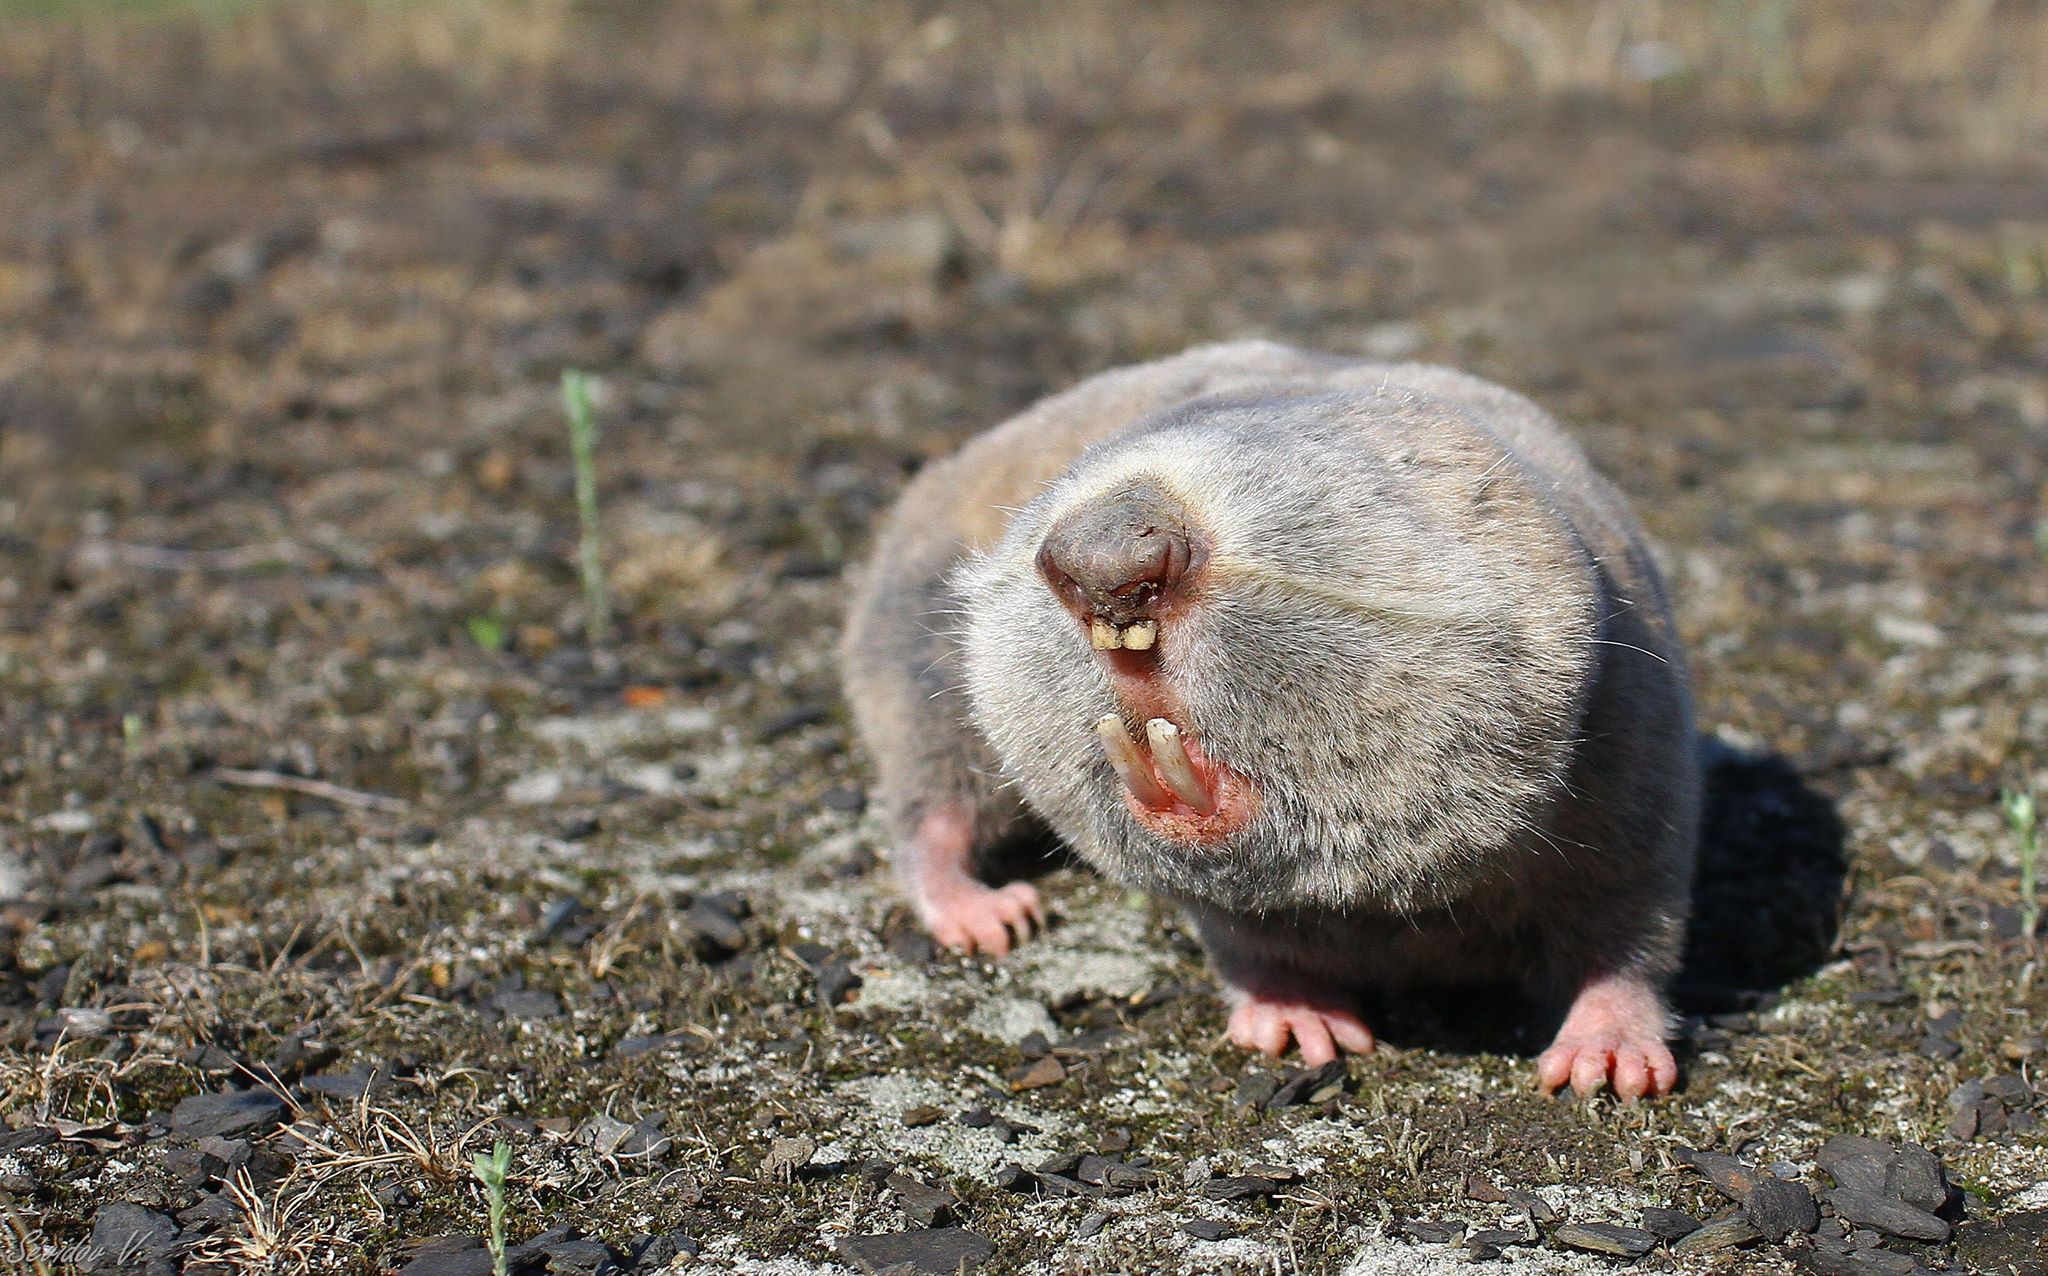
(338, 794)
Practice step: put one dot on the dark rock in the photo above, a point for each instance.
(1434, 1233)
(1104, 1171)
(1012, 1177)
(528, 1005)
(1605, 1238)
(1669, 1225)
(1735, 1179)
(1938, 1047)
(1480, 1188)
(1856, 1162)
(1256, 1090)
(658, 1252)
(836, 980)
(576, 1256)
(634, 1047)
(1722, 1234)
(1089, 1226)
(1535, 1207)
(790, 721)
(232, 1113)
(1238, 1188)
(1310, 1085)
(1499, 1238)
(1037, 1074)
(123, 1232)
(210, 1211)
(1779, 1208)
(471, 1262)
(847, 801)
(1887, 1214)
(942, 1251)
(350, 1086)
(34, 1136)
(718, 930)
(2012, 1242)
(921, 1202)
(557, 918)
(193, 1167)
(1208, 1229)
(1918, 1179)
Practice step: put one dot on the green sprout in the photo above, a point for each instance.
(491, 1171)
(583, 441)
(487, 631)
(2023, 813)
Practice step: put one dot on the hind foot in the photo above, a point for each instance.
(1267, 1022)
(1613, 1036)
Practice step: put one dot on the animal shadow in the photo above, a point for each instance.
(1766, 909)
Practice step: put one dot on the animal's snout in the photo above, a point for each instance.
(1119, 561)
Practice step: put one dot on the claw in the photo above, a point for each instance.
(1170, 756)
(1130, 764)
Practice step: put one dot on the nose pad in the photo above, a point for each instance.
(1119, 556)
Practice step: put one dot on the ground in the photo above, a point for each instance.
(286, 292)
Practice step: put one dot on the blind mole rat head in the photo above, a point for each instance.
(1261, 655)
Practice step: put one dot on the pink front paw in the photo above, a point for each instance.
(969, 917)
(1614, 1036)
(1266, 1024)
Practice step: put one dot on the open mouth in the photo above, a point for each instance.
(1171, 785)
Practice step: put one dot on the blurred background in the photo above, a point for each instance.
(314, 730)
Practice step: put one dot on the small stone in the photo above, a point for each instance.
(1499, 1238)
(1091, 1225)
(1669, 1225)
(921, 1202)
(1856, 1162)
(1918, 1179)
(352, 1087)
(604, 1134)
(527, 1005)
(1256, 1090)
(836, 981)
(233, 1113)
(1037, 1074)
(123, 1232)
(922, 1115)
(1208, 1229)
(1310, 1085)
(1434, 1233)
(1012, 1177)
(790, 721)
(940, 1251)
(1723, 1234)
(574, 1257)
(1779, 1208)
(785, 1157)
(1605, 1238)
(719, 933)
(846, 801)
(1239, 1187)
(1533, 1206)
(1888, 1215)
(1482, 1189)
(1735, 1179)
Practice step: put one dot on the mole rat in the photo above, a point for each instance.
(1361, 665)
